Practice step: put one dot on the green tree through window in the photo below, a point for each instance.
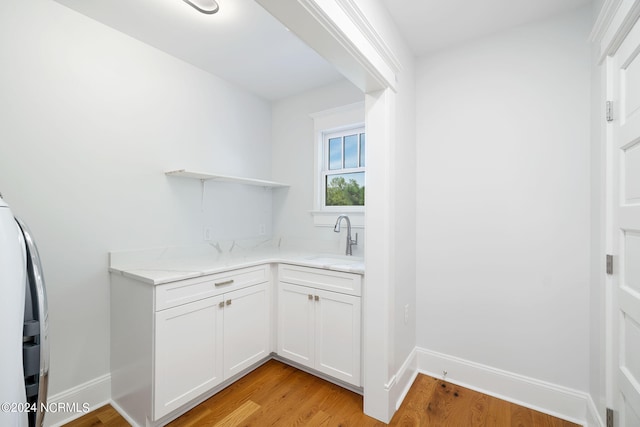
(341, 192)
(343, 174)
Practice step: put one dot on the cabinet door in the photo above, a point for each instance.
(188, 353)
(296, 323)
(337, 338)
(246, 328)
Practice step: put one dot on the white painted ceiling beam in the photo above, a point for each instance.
(330, 28)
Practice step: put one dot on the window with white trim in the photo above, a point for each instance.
(337, 122)
(343, 169)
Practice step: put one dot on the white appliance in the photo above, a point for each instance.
(24, 345)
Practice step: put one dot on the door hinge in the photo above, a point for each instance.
(609, 417)
(609, 111)
(609, 264)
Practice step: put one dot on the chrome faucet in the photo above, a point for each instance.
(350, 242)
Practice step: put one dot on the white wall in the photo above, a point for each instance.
(504, 201)
(89, 120)
(405, 204)
(293, 162)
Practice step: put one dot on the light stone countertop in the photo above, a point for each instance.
(165, 265)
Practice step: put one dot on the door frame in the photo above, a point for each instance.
(614, 23)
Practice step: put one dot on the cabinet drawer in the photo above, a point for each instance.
(185, 291)
(319, 278)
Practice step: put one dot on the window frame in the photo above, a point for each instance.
(325, 172)
(350, 116)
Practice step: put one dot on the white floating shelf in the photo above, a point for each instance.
(183, 173)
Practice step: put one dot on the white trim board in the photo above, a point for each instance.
(616, 19)
(603, 21)
(556, 400)
(593, 418)
(96, 392)
(123, 414)
(399, 385)
(378, 43)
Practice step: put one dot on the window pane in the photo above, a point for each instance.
(346, 189)
(362, 146)
(351, 151)
(335, 153)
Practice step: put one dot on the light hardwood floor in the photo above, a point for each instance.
(278, 395)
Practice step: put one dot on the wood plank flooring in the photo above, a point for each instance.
(278, 395)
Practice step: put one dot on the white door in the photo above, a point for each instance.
(296, 323)
(188, 353)
(246, 328)
(625, 71)
(338, 335)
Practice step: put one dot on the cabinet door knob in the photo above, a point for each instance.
(310, 296)
(221, 304)
(317, 298)
(228, 302)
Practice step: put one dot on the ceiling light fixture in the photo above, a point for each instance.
(205, 6)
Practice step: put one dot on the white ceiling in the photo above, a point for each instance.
(245, 45)
(428, 25)
(242, 43)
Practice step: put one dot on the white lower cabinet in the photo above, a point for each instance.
(318, 328)
(296, 324)
(201, 344)
(188, 353)
(172, 344)
(337, 336)
(246, 328)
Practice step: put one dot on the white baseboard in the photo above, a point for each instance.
(399, 385)
(559, 401)
(92, 394)
(552, 399)
(593, 416)
(123, 414)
